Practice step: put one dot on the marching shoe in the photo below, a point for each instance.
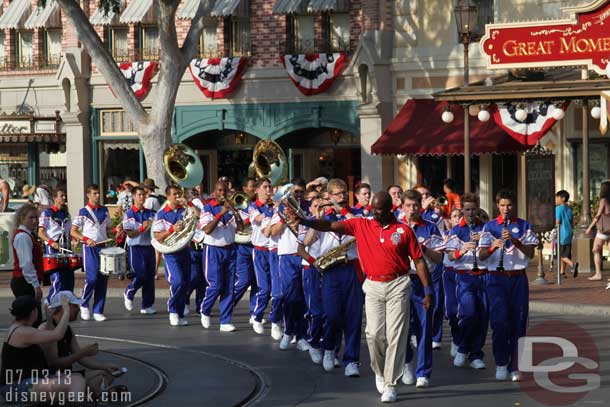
(276, 331)
(460, 360)
(352, 370)
(174, 319)
(329, 360)
(285, 342)
(337, 362)
(422, 382)
(227, 327)
(303, 345)
(205, 321)
(251, 320)
(408, 374)
(389, 395)
(149, 310)
(128, 303)
(436, 345)
(501, 373)
(258, 327)
(187, 310)
(182, 322)
(454, 350)
(99, 317)
(294, 340)
(477, 364)
(515, 376)
(379, 383)
(315, 355)
(84, 314)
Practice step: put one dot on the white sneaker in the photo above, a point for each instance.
(294, 340)
(328, 363)
(352, 370)
(258, 327)
(315, 355)
(388, 395)
(422, 382)
(337, 362)
(477, 364)
(501, 373)
(149, 310)
(205, 321)
(182, 322)
(436, 345)
(515, 376)
(174, 319)
(285, 342)
(303, 345)
(408, 374)
(127, 303)
(460, 359)
(99, 317)
(227, 327)
(84, 314)
(276, 331)
(251, 320)
(379, 383)
(187, 310)
(454, 350)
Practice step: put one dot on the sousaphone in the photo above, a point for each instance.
(269, 161)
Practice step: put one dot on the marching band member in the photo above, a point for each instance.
(54, 230)
(92, 226)
(177, 264)
(197, 281)
(341, 290)
(450, 288)
(290, 275)
(423, 320)
(137, 222)
(507, 243)
(220, 222)
(244, 265)
(276, 315)
(258, 213)
(473, 310)
(396, 192)
(363, 198)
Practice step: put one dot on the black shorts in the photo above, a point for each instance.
(565, 251)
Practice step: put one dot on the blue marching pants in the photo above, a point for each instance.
(312, 289)
(220, 275)
(260, 259)
(508, 298)
(177, 272)
(244, 275)
(142, 262)
(60, 280)
(473, 314)
(96, 284)
(342, 301)
(197, 282)
(420, 325)
(277, 297)
(451, 303)
(438, 313)
(292, 290)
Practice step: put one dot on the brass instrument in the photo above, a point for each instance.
(182, 165)
(336, 255)
(269, 161)
(439, 201)
(240, 201)
(284, 195)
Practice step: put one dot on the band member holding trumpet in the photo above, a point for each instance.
(137, 222)
(507, 244)
(54, 230)
(220, 221)
(92, 226)
(462, 248)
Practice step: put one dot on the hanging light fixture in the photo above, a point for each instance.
(483, 114)
(596, 111)
(447, 115)
(521, 113)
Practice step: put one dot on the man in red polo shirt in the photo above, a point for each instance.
(385, 248)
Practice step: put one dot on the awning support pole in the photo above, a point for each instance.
(467, 186)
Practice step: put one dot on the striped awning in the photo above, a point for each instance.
(288, 6)
(33, 138)
(16, 14)
(318, 6)
(225, 8)
(111, 18)
(47, 17)
(138, 11)
(190, 7)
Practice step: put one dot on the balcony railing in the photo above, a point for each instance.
(314, 46)
(134, 55)
(51, 61)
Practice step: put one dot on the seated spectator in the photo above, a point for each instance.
(63, 354)
(25, 375)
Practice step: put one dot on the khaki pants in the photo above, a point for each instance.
(387, 325)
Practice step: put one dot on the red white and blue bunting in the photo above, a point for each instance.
(138, 75)
(217, 77)
(538, 122)
(314, 73)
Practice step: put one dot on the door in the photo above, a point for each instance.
(505, 170)
(209, 160)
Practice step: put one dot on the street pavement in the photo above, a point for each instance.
(191, 366)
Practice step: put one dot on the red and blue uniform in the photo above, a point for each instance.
(361, 211)
(56, 224)
(507, 291)
(244, 269)
(260, 256)
(197, 281)
(312, 290)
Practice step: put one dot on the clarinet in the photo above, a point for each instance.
(501, 263)
(471, 226)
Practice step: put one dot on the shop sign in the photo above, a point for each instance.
(584, 39)
(15, 127)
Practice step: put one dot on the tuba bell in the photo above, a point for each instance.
(270, 162)
(183, 167)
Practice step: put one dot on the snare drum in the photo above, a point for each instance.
(75, 261)
(113, 262)
(53, 262)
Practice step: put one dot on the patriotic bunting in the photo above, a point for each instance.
(314, 73)
(138, 75)
(217, 77)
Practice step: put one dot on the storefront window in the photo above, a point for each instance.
(119, 161)
(598, 166)
(52, 171)
(14, 166)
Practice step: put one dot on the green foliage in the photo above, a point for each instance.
(577, 208)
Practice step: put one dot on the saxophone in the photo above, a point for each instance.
(334, 256)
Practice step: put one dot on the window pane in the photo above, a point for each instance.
(241, 37)
(340, 32)
(2, 50)
(209, 39)
(53, 47)
(304, 33)
(14, 166)
(151, 43)
(25, 48)
(120, 45)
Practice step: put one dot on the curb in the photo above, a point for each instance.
(569, 309)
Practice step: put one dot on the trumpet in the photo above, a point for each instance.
(439, 201)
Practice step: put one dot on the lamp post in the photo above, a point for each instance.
(466, 15)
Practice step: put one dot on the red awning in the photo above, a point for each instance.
(418, 129)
